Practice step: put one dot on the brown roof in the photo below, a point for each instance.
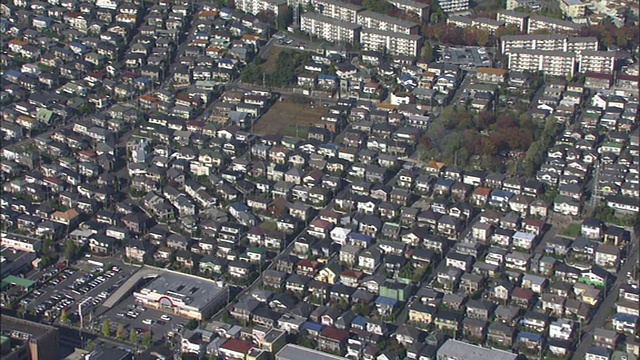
(494, 71)
(334, 334)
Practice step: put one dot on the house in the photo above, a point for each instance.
(500, 334)
(605, 338)
(333, 340)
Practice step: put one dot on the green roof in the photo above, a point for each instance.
(44, 115)
(11, 279)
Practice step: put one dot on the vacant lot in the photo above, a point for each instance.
(270, 65)
(287, 119)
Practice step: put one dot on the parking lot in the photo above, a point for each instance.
(141, 319)
(71, 287)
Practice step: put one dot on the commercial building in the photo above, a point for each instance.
(184, 295)
(337, 9)
(255, 6)
(13, 261)
(545, 23)
(573, 8)
(557, 63)
(330, 29)
(452, 6)
(418, 8)
(297, 352)
(517, 19)
(390, 42)
(19, 242)
(602, 62)
(458, 350)
(373, 20)
(28, 339)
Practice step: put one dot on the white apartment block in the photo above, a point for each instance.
(452, 6)
(373, 20)
(574, 9)
(255, 6)
(418, 8)
(557, 63)
(580, 44)
(390, 42)
(530, 4)
(517, 19)
(479, 23)
(337, 9)
(602, 62)
(538, 22)
(550, 42)
(330, 29)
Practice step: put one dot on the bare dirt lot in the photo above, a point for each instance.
(270, 63)
(283, 118)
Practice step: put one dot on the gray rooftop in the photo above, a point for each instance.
(201, 291)
(296, 352)
(464, 351)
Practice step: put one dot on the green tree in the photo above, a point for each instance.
(106, 331)
(147, 339)
(46, 246)
(63, 316)
(70, 249)
(120, 332)
(133, 337)
(427, 51)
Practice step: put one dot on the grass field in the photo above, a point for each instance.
(270, 63)
(287, 119)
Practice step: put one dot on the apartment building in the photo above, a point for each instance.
(255, 6)
(337, 9)
(390, 42)
(557, 63)
(529, 4)
(330, 29)
(373, 20)
(410, 6)
(489, 25)
(580, 44)
(602, 62)
(517, 19)
(548, 42)
(539, 22)
(452, 6)
(574, 9)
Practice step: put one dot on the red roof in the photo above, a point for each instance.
(627, 77)
(236, 345)
(534, 222)
(334, 334)
(482, 191)
(520, 293)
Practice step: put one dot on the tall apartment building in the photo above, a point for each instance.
(538, 22)
(452, 6)
(255, 6)
(573, 8)
(557, 63)
(530, 4)
(330, 29)
(373, 20)
(337, 9)
(550, 42)
(418, 8)
(489, 25)
(580, 44)
(602, 62)
(517, 19)
(390, 42)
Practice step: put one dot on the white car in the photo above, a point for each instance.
(148, 321)
(165, 318)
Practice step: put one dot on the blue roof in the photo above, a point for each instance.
(238, 206)
(226, 10)
(501, 193)
(330, 146)
(13, 72)
(529, 336)
(625, 318)
(326, 77)
(445, 182)
(598, 350)
(311, 326)
(360, 237)
(386, 301)
(360, 321)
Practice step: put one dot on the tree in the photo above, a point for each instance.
(147, 339)
(133, 336)
(70, 249)
(63, 316)
(46, 246)
(427, 51)
(106, 331)
(120, 332)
